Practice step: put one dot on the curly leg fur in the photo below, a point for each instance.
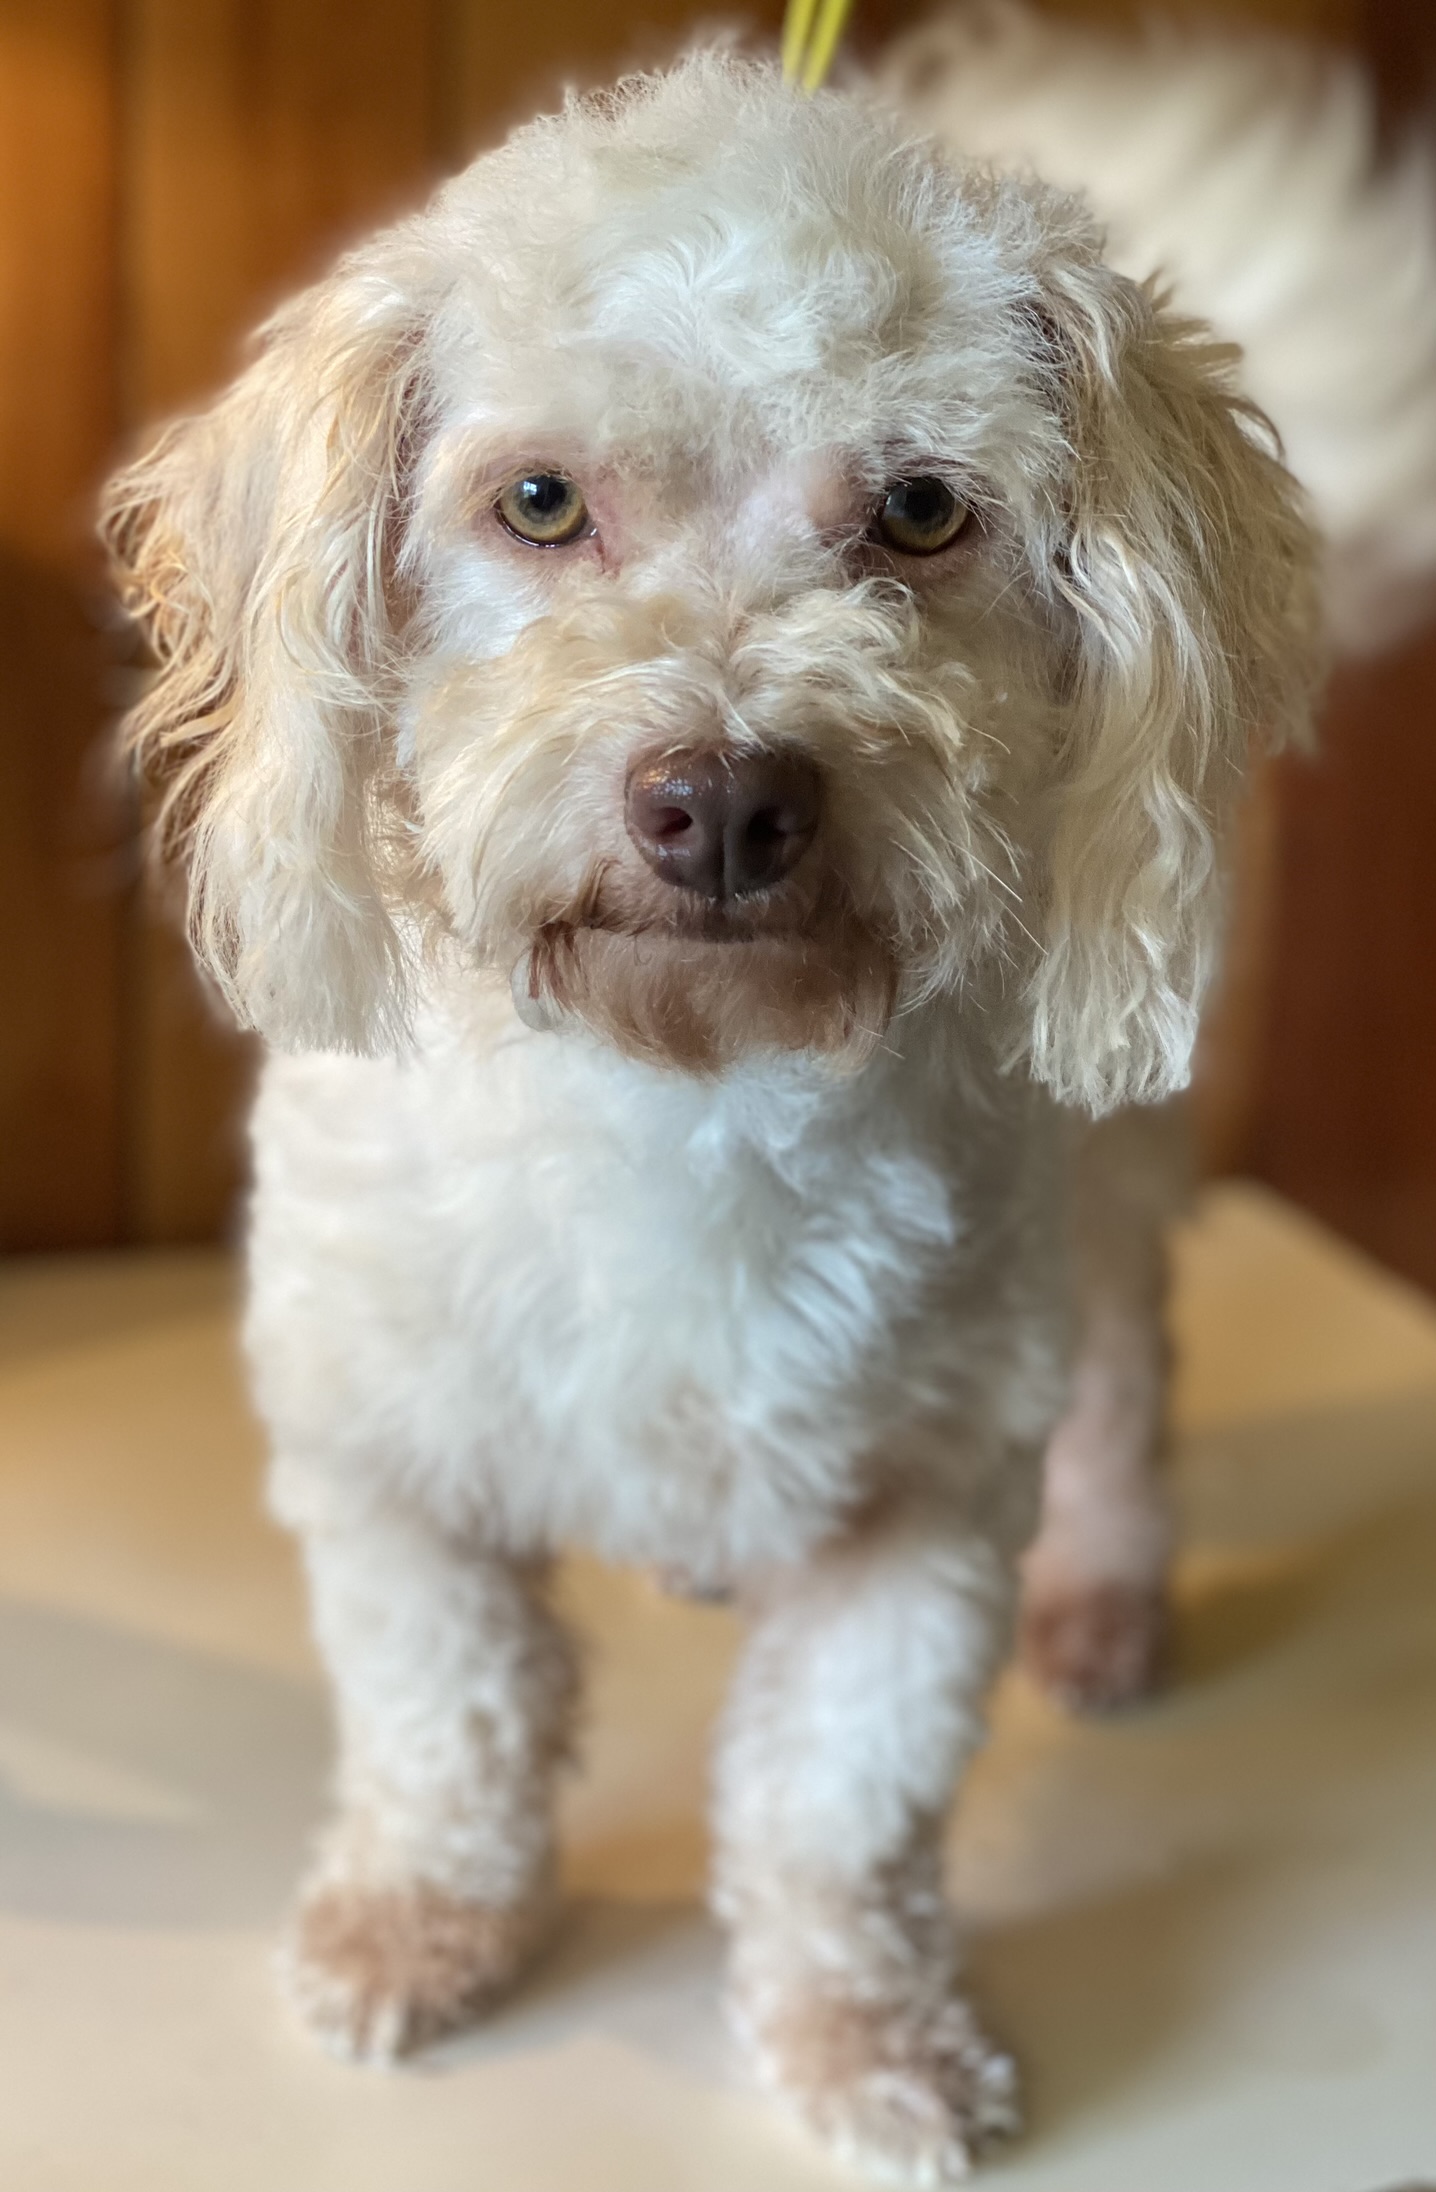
(434, 1884)
(856, 1706)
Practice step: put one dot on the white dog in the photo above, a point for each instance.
(701, 682)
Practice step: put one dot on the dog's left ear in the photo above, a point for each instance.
(1189, 571)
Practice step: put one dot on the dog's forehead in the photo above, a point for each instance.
(712, 275)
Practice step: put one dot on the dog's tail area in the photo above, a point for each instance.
(1245, 173)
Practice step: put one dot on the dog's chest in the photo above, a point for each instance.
(697, 1301)
(671, 1321)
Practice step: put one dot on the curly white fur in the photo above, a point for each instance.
(737, 1247)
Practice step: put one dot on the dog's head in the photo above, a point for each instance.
(736, 576)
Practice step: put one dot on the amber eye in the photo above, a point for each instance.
(543, 508)
(920, 516)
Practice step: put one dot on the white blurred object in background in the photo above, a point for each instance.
(1245, 172)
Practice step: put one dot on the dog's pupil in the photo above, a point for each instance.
(544, 494)
(924, 503)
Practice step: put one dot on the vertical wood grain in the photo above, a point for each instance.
(1345, 1112)
(1344, 1115)
(262, 135)
(1399, 39)
(61, 896)
(503, 64)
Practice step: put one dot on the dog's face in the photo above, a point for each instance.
(736, 577)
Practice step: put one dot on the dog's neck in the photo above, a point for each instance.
(936, 1069)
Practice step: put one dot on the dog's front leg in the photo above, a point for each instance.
(434, 1881)
(856, 1706)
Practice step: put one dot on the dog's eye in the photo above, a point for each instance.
(543, 508)
(920, 516)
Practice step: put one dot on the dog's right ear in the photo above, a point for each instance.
(253, 544)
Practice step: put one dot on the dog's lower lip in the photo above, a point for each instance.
(680, 933)
(714, 925)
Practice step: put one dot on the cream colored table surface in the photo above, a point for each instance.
(1209, 1930)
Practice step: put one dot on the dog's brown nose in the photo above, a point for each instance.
(723, 824)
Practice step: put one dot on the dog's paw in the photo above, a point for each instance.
(1098, 1648)
(910, 2098)
(377, 1972)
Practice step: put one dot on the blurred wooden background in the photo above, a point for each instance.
(168, 168)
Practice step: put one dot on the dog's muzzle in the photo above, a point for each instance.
(723, 824)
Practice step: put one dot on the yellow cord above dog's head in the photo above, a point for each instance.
(812, 30)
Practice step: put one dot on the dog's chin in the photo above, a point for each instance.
(702, 995)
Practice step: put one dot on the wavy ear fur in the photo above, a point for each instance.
(251, 544)
(1191, 571)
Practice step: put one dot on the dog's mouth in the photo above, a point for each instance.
(796, 911)
(698, 982)
(703, 921)
(701, 932)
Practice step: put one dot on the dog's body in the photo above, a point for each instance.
(795, 1334)
(568, 1296)
(721, 1227)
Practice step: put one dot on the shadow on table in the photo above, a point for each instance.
(143, 1784)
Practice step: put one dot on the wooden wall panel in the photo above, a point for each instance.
(261, 135)
(506, 64)
(61, 905)
(1399, 38)
(1344, 1114)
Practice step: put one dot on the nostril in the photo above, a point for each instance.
(664, 824)
(772, 828)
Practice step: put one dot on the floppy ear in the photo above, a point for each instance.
(1190, 573)
(251, 543)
